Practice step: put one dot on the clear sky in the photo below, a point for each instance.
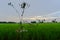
(37, 8)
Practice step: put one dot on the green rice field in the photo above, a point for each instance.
(35, 31)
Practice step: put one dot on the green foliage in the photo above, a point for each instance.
(54, 21)
(33, 21)
(44, 31)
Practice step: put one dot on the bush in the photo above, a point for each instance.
(54, 21)
(33, 21)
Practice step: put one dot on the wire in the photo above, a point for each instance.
(16, 11)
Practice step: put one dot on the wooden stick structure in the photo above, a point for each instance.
(21, 30)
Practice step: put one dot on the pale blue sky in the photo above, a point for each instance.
(37, 7)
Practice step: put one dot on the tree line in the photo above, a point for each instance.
(39, 21)
(6, 22)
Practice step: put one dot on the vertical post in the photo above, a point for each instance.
(23, 5)
(22, 19)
